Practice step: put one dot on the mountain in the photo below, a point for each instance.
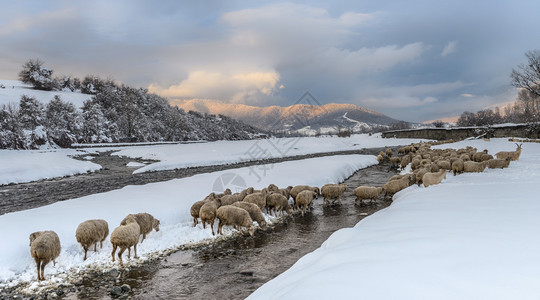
(303, 118)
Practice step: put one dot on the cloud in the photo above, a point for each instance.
(235, 87)
(467, 95)
(450, 48)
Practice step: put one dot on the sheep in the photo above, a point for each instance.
(405, 160)
(304, 199)
(367, 192)
(272, 188)
(146, 221)
(286, 191)
(394, 186)
(388, 152)
(91, 232)
(297, 189)
(395, 160)
(195, 208)
(474, 167)
(457, 166)
(396, 177)
(276, 202)
(44, 247)
(126, 236)
(380, 158)
(258, 198)
(419, 175)
(444, 164)
(433, 178)
(236, 216)
(333, 191)
(514, 155)
(208, 213)
(230, 199)
(254, 212)
(499, 163)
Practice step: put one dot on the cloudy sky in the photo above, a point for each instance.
(412, 60)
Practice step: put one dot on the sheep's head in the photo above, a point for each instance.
(155, 224)
(34, 236)
(227, 192)
(317, 191)
(251, 230)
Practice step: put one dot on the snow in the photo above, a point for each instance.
(474, 236)
(168, 201)
(134, 164)
(228, 152)
(30, 165)
(14, 89)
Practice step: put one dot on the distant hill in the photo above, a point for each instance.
(301, 118)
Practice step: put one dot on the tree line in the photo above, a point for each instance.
(115, 113)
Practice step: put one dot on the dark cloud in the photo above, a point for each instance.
(410, 60)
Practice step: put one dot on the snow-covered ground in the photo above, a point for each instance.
(168, 201)
(474, 236)
(227, 152)
(13, 90)
(19, 166)
(31, 165)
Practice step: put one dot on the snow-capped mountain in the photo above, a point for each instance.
(299, 117)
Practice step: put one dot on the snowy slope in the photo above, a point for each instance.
(168, 201)
(474, 236)
(31, 165)
(226, 152)
(14, 89)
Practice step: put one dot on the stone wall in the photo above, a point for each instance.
(517, 130)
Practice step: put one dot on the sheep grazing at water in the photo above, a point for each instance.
(125, 237)
(333, 191)
(146, 221)
(474, 167)
(370, 193)
(395, 160)
(90, 233)
(394, 186)
(458, 166)
(433, 178)
(276, 202)
(235, 216)
(254, 212)
(514, 155)
(297, 189)
(499, 163)
(208, 213)
(258, 198)
(44, 247)
(304, 200)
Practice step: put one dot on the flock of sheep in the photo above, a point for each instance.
(45, 245)
(240, 210)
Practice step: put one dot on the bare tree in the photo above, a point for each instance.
(527, 76)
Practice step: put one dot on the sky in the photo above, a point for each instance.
(411, 60)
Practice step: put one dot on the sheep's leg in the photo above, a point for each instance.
(195, 222)
(95, 247)
(220, 225)
(44, 262)
(113, 251)
(38, 262)
(135, 249)
(85, 251)
(212, 226)
(129, 252)
(122, 249)
(203, 223)
(143, 237)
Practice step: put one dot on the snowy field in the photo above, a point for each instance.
(31, 165)
(474, 236)
(14, 89)
(168, 201)
(20, 166)
(227, 152)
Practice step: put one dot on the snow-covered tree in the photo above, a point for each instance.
(63, 122)
(10, 129)
(31, 113)
(96, 127)
(38, 76)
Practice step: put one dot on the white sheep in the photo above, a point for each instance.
(258, 198)
(497, 163)
(44, 247)
(146, 221)
(474, 167)
(90, 233)
(394, 186)
(333, 191)
(433, 178)
(208, 213)
(458, 166)
(297, 189)
(254, 212)
(304, 200)
(276, 202)
(235, 216)
(367, 192)
(124, 237)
